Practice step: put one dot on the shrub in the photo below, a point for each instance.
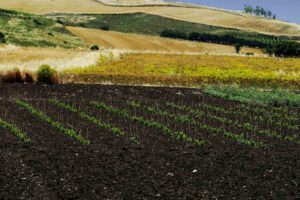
(249, 54)
(46, 74)
(237, 48)
(2, 38)
(13, 76)
(60, 21)
(173, 34)
(28, 78)
(105, 28)
(94, 48)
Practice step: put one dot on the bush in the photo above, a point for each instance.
(249, 54)
(28, 78)
(173, 34)
(237, 47)
(13, 76)
(95, 48)
(105, 28)
(2, 38)
(46, 74)
(60, 21)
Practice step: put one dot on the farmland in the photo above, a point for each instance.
(147, 99)
(190, 71)
(28, 59)
(127, 41)
(202, 15)
(96, 142)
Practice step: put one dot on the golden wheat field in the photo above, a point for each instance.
(30, 58)
(190, 70)
(116, 40)
(132, 2)
(199, 14)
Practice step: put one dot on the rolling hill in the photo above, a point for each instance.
(116, 40)
(25, 29)
(203, 15)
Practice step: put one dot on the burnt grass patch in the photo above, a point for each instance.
(54, 166)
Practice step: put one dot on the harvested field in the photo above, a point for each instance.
(202, 15)
(30, 58)
(239, 150)
(116, 40)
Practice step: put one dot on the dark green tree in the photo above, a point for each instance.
(237, 47)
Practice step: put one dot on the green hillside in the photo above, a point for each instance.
(31, 30)
(140, 23)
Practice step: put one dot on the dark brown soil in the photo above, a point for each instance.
(54, 166)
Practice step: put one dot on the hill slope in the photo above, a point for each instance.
(116, 40)
(202, 15)
(32, 30)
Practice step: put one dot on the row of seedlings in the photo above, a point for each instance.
(190, 120)
(15, 130)
(240, 124)
(179, 135)
(275, 120)
(93, 120)
(57, 125)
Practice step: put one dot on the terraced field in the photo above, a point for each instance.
(114, 142)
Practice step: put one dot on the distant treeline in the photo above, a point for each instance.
(259, 11)
(273, 45)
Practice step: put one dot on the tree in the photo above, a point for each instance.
(263, 12)
(285, 49)
(257, 11)
(274, 16)
(248, 9)
(269, 14)
(237, 47)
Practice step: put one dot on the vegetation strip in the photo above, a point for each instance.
(252, 95)
(17, 132)
(70, 132)
(271, 118)
(94, 120)
(245, 125)
(179, 135)
(185, 118)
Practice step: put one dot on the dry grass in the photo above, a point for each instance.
(116, 40)
(132, 2)
(198, 15)
(191, 70)
(29, 59)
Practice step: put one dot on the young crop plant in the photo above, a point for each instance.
(276, 120)
(57, 125)
(93, 120)
(179, 135)
(13, 129)
(268, 118)
(197, 121)
(262, 114)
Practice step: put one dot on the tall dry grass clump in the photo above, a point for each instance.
(45, 74)
(13, 76)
